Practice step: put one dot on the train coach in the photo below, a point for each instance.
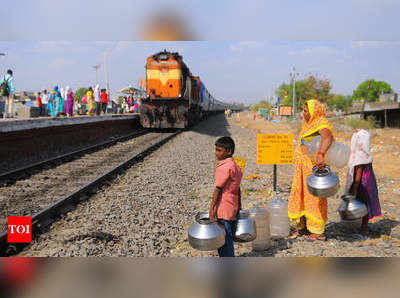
(175, 98)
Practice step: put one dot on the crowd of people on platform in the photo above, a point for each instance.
(63, 101)
(60, 102)
(131, 104)
(57, 102)
(95, 101)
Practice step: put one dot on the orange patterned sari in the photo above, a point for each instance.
(301, 202)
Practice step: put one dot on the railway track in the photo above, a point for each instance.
(23, 172)
(49, 193)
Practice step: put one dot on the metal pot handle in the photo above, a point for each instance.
(347, 197)
(204, 215)
(323, 172)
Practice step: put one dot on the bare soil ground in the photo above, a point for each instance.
(342, 238)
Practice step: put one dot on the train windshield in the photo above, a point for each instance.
(163, 57)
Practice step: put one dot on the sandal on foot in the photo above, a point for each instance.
(298, 233)
(320, 237)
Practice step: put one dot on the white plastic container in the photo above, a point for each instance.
(279, 220)
(261, 217)
(337, 155)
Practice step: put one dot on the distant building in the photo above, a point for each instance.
(386, 113)
(388, 97)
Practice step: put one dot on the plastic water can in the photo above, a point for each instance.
(337, 155)
(260, 216)
(279, 220)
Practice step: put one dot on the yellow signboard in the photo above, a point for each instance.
(241, 162)
(275, 149)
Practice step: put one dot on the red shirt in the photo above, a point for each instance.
(228, 176)
(104, 97)
(39, 101)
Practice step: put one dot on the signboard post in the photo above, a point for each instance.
(275, 149)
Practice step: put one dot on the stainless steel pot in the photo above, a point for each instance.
(323, 183)
(205, 234)
(351, 208)
(245, 228)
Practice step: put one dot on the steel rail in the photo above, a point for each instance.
(23, 170)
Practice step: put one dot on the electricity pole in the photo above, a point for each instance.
(2, 54)
(293, 75)
(105, 69)
(106, 53)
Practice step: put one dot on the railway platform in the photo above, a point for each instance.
(14, 125)
(30, 140)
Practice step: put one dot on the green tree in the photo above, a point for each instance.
(370, 90)
(261, 105)
(306, 89)
(80, 93)
(340, 102)
(121, 99)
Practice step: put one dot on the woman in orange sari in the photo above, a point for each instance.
(309, 212)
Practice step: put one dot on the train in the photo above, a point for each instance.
(174, 97)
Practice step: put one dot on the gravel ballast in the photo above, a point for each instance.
(30, 195)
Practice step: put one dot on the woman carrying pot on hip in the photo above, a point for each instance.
(310, 212)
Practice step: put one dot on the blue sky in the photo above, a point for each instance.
(241, 71)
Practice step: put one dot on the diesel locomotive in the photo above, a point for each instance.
(175, 98)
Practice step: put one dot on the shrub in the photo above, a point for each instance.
(368, 123)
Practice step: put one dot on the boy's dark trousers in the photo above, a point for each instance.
(98, 108)
(227, 250)
(104, 107)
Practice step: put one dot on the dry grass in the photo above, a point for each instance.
(369, 123)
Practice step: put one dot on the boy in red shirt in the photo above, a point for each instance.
(39, 101)
(226, 201)
(104, 100)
